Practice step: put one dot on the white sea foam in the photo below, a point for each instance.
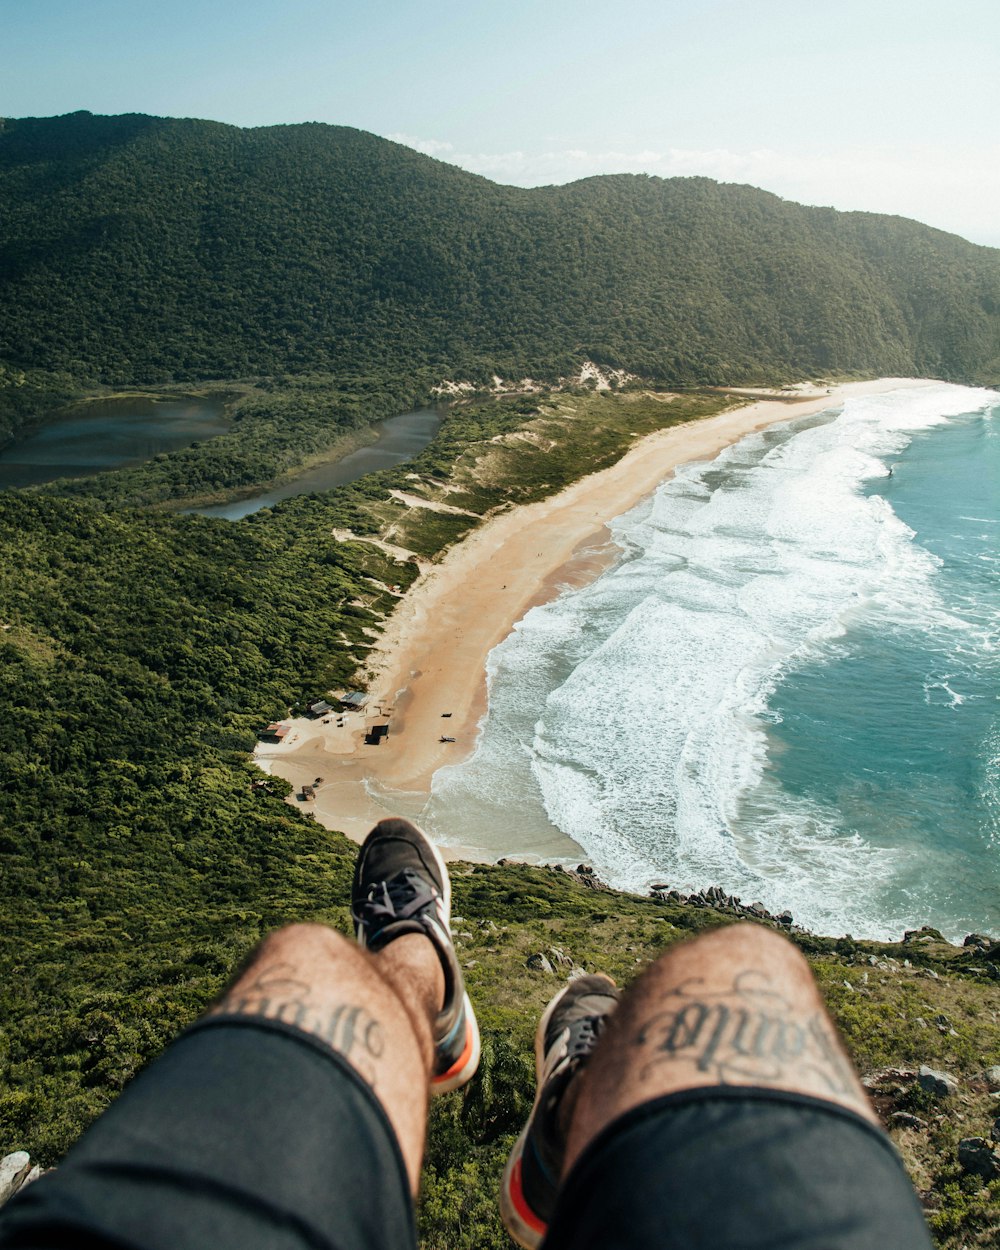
(639, 704)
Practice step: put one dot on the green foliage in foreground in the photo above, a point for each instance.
(139, 654)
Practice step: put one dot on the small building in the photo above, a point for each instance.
(320, 707)
(354, 700)
(276, 731)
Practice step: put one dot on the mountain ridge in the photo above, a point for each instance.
(136, 249)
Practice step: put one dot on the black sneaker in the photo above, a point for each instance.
(566, 1036)
(401, 886)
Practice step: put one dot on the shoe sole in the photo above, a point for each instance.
(523, 1225)
(464, 1067)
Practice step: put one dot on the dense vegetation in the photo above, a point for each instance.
(319, 277)
(140, 249)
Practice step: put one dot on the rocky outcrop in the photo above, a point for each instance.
(977, 1156)
(16, 1171)
(715, 897)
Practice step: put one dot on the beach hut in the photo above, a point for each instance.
(354, 700)
(275, 732)
(320, 707)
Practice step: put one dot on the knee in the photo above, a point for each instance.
(751, 940)
(304, 937)
(742, 946)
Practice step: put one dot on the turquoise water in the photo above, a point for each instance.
(909, 699)
(788, 684)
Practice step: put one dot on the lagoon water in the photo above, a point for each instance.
(788, 685)
(107, 434)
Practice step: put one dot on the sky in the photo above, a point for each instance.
(887, 106)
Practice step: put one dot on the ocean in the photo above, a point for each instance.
(787, 685)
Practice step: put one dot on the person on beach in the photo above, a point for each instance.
(709, 1105)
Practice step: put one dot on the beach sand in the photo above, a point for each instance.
(428, 669)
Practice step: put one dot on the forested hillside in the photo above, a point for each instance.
(140, 249)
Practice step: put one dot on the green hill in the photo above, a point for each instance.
(140, 249)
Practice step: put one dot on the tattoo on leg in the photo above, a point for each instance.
(746, 1033)
(276, 994)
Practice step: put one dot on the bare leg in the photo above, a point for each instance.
(376, 1011)
(737, 1006)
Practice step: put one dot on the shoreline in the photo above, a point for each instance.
(427, 671)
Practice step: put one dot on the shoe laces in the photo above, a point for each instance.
(403, 897)
(583, 1035)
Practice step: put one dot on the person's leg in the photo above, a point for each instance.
(375, 1011)
(738, 1006)
(293, 1114)
(715, 1106)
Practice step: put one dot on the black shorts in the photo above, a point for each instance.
(245, 1134)
(251, 1135)
(732, 1168)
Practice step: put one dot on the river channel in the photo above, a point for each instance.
(399, 438)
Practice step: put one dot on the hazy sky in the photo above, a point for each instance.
(886, 105)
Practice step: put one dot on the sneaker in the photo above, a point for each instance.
(401, 886)
(566, 1037)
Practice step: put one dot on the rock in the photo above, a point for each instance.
(978, 940)
(903, 1119)
(559, 958)
(14, 1168)
(991, 1077)
(785, 918)
(33, 1176)
(888, 1076)
(938, 1083)
(539, 963)
(586, 876)
(758, 909)
(995, 1130)
(927, 933)
(976, 1155)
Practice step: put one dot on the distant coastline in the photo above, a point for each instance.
(430, 662)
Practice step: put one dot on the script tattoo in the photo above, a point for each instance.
(276, 994)
(746, 1033)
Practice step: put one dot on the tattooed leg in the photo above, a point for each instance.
(737, 1006)
(373, 1010)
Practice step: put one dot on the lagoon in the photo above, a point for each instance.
(105, 434)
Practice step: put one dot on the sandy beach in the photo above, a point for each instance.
(428, 669)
